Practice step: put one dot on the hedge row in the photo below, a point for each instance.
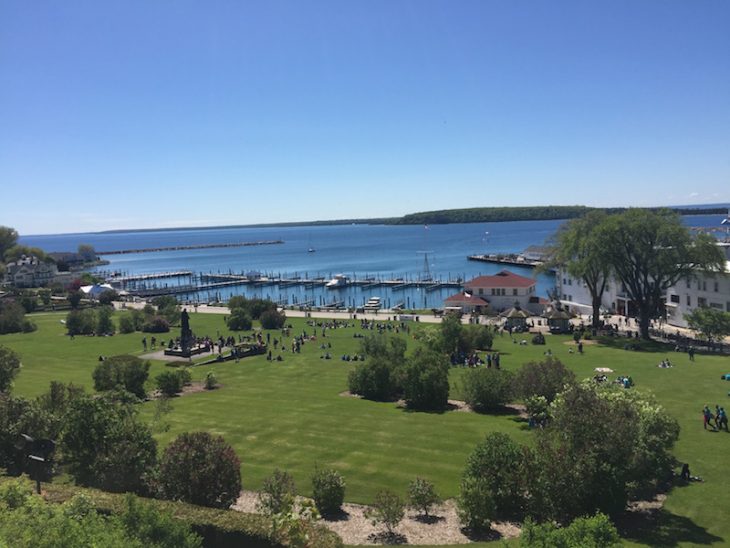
(219, 528)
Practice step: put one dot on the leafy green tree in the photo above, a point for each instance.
(602, 447)
(169, 383)
(239, 320)
(13, 320)
(8, 239)
(711, 323)
(277, 493)
(546, 378)
(487, 389)
(379, 378)
(28, 521)
(272, 319)
(125, 371)
(388, 509)
(474, 506)
(104, 322)
(106, 446)
(580, 247)
(651, 251)
(426, 380)
(108, 297)
(328, 490)
(74, 298)
(9, 367)
(497, 464)
(586, 532)
(422, 496)
(87, 252)
(200, 468)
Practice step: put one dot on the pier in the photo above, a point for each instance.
(513, 260)
(186, 247)
(191, 282)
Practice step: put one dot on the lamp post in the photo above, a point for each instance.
(37, 453)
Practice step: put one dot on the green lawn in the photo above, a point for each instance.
(290, 415)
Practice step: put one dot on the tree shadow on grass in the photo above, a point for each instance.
(662, 528)
(635, 345)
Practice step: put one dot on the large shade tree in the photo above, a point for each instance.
(580, 248)
(651, 251)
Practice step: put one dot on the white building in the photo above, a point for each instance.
(504, 289)
(712, 290)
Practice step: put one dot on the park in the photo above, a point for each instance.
(292, 415)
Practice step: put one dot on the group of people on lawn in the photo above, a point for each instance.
(719, 418)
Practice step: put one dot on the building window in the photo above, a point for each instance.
(704, 285)
(494, 291)
(689, 300)
(674, 298)
(514, 292)
(716, 306)
(727, 306)
(688, 284)
(701, 302)
(717, 286)
(481, 291)
(565, 282)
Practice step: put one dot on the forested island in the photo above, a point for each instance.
(448, 216)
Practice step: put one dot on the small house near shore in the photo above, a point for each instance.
(504, 289)
(468, 303)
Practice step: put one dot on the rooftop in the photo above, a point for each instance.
(504, 278)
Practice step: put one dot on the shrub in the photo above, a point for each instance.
(9, 367)
(106, 445)
(546, 378)
(81, 322)
(156, 324)
(201, 469)
(328, 488)
(591, 532)
(128, 372)
(12, 317)
(479, 337)
(474, 505)
(104, 323)
(210, 381)
(126, 324)
(74, 298)
(169, 383)
(239, 320)
(277, 493)
(487, 389)
(272, 319)
(373, 380)
(388, 510)
(538, 339)
(108, 297)
(496, 466)
(422, 495)
(426, 381)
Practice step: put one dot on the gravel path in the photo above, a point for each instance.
(354, 528)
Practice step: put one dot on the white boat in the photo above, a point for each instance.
(340, 280)
(373, 303)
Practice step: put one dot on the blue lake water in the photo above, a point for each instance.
(355, 250)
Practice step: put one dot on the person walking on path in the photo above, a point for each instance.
(707, 416)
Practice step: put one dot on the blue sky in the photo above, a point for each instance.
(169, 113)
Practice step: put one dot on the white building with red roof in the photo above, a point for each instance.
(504, 289)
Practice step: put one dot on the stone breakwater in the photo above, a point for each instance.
(186, 247)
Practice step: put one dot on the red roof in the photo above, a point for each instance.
(505, 278)
(466, 298)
